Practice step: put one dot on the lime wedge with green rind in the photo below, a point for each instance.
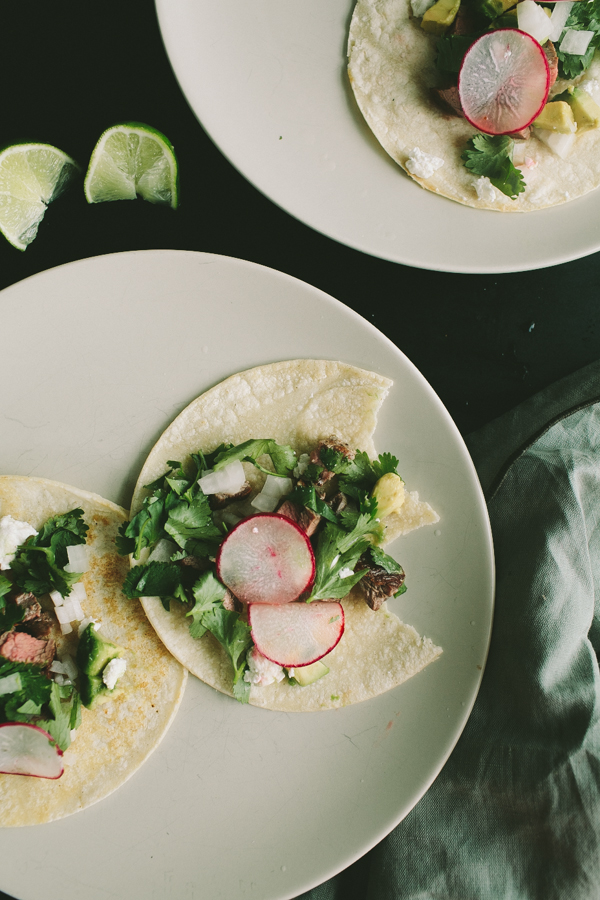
(132, 159)
(31, 177)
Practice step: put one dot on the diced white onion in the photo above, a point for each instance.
(65, 628)
(57, 598)
(78, 592)
(10, 683)
(70, 668)
(558, 19)
(264, 503)
(420, 7)
(576, 42)
(228, 480)
(230, 518)
(61, 679)
(519, 151)
(532, 19)
(79, 558)
(272, 491)
(561, 144)
(163, 551)
(58, 667)
(78, 613)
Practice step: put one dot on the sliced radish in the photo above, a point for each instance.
(29, 750)
(504, 81)
(266, 559)
(296, 634)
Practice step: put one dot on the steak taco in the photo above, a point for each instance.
(485, 102)
(87, 691)
(256, 536)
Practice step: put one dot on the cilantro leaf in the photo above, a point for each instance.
(385, 464)
(491, 156)
(305, 495)
(388, 563)
(154, 579)
(208, 593)
(450, 51)
(192, 520)
(330, 562)
(144, 529)
(58, 533)
(282, 456)
(34, 570)
(5, 588)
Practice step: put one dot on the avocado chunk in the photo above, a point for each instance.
(585, 109)
(311, 673)
(93, 654)
(440, 16)
(556, 116)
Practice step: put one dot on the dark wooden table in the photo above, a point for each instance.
(69, 69)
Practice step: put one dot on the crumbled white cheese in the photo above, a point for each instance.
(485, 189)
(13, 533)
(303, 462)
(592, 86)
(345, 572)
(261, 670)
(423, 165)
(113, 671)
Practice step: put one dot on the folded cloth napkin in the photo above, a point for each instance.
(515, 813)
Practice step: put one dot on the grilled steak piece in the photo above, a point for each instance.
(30, 603)
(39, 628)
(232, 603)
(377, 585)
(338, 503)
(330, 443)
(552, 57)
(18, 646)
(193, 562)
(450, 100)
(218, 501)
(304, 518)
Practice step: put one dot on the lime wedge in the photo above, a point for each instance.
(131, 159)
(31, 176)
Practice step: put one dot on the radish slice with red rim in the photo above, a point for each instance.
(296, 634)
(266, 559)
(29, 750)
(504, 81)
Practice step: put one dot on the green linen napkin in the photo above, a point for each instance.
(515, 813)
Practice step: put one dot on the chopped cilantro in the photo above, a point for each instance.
(305, 495)
(491, 156)
(451, 49)
(38, 565)
(40, 701)
(282, 456)
(5, 588)
(380, 558)
(584, 16)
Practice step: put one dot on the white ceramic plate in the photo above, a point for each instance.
(267, 80)
(237, 802)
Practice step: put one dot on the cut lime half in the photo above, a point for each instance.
(31, 177)
(131, 159)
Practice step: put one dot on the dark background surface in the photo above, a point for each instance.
(70, 69)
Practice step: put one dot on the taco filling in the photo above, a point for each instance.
(261, 565)
(69, 667)
(491, 103)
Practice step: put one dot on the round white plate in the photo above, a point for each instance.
(267, 80)
(98, 357)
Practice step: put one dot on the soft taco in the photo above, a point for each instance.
(281, 455)
(87, 691)
(407, 85)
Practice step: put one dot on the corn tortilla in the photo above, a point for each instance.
(115, 738)
(297, 402)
